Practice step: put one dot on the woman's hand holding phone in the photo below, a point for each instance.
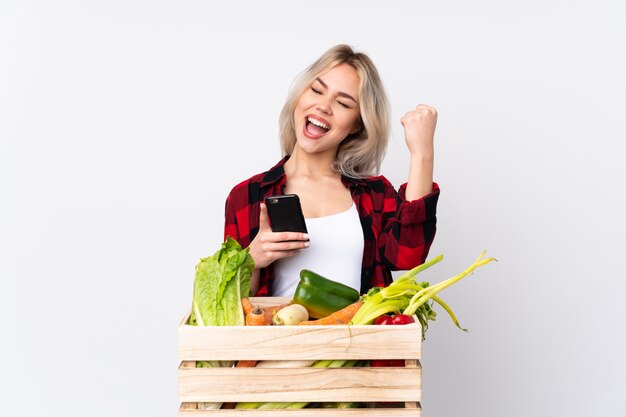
(269, 246)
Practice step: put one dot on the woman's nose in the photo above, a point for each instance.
(324, 105)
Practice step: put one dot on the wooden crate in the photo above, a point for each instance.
(363, 384)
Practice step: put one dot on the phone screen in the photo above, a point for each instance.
(285, 213)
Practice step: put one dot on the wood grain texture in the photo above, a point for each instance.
(297, 342)
(299, 384)
(269, 301)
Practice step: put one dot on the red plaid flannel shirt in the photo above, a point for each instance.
(397, 233)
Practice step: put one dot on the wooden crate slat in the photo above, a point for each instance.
(299, 384)
(299, 342)
(269, 301)
(307, 412)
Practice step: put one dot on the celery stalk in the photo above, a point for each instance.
(281, 406)
(449, 310)
(248, 405)
(410, 297)
(209, 406)
(387, 306)
(422, 296)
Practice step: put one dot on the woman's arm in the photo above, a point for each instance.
(419, 133)
(407, 227)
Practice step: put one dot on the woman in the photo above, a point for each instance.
(334, 131)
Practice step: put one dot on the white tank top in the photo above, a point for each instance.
(336, 253)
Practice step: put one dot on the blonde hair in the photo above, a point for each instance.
(361, 153)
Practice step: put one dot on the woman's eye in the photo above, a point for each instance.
(343, 105)
(316, 91)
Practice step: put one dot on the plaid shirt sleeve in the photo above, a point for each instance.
(237, 221)
(408, 228)
(242, 223)
(398, 233)
(242, 213)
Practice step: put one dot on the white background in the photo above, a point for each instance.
(124, 124)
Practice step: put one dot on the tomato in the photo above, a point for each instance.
(386, 319)
(402, 319)
(383, 320)
(383, 363)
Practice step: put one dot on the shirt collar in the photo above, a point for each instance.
(275, 174)
(352, 182)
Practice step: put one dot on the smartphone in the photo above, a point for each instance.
(285, 213)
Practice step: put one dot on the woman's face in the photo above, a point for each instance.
(328, 110)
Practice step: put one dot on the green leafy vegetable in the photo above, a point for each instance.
(221, 281)
(408, 296)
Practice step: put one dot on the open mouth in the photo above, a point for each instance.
(316, 127)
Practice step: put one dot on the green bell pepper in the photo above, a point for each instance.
(322, 296)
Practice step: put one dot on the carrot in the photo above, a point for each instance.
(247, 305)
(257, 317)
(246, 364)
(342, 316)
(271, 310)
(266, 314)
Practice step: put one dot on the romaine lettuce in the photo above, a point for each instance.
(221, 281)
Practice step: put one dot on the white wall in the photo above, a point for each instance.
(124, 124)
